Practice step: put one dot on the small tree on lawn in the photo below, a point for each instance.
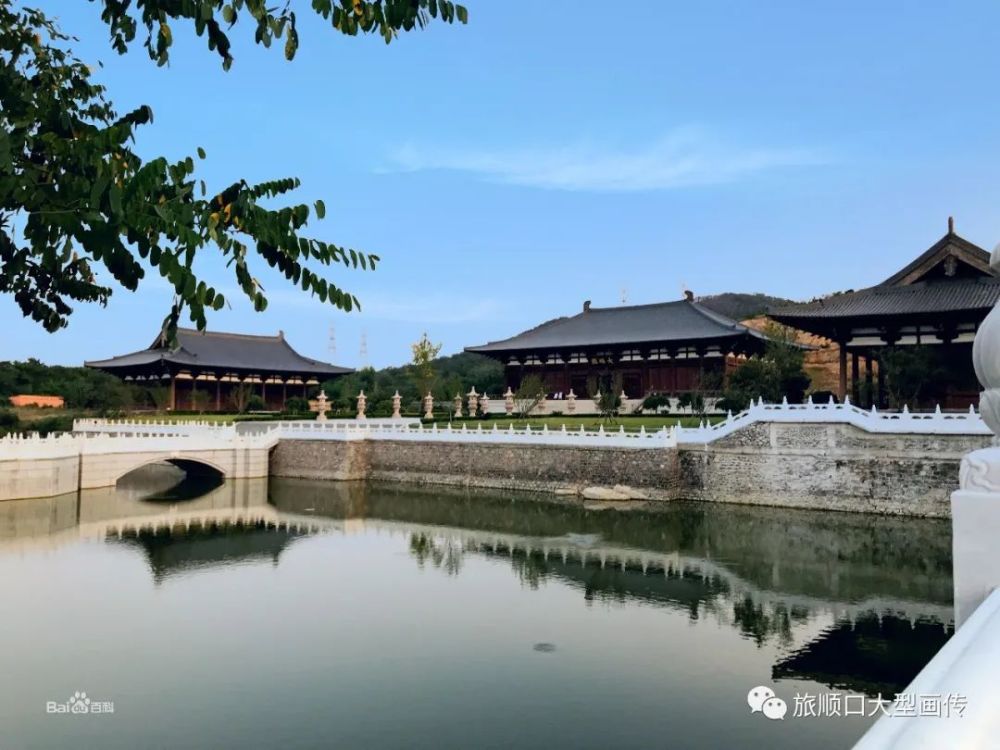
(530, 393)
(239, 397)
(424, 354)
(199, 401)
(606, 392)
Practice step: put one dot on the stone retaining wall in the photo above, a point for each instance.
(38, 477)
(822, 466)
(544, 468)
(829, 466)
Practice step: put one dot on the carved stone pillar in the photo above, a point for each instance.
(396, 400)
(429, 406)
(975, 507)
(362, 405)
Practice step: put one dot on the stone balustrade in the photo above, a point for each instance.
(356, 430)
(888, 422)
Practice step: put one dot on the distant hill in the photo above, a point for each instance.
(742, 306)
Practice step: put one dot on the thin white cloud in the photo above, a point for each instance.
(379, 306)
(685, 157)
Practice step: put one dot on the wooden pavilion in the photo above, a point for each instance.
(935, 302)
(217, 364)
(660, 348)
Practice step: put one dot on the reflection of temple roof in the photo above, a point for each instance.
(173, 552)
(874, 655)
(809, 554)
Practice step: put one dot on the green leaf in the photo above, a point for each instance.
(320, 209)
(201, 152)
(115, 199)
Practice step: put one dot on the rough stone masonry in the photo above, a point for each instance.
(823, 466)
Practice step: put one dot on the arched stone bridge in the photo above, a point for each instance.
(43, 467)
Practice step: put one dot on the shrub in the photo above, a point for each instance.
(256, 403)
(297, 405)
(8, 421)
(48, 425)
(656, 401)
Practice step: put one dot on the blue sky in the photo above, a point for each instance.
(559, 151)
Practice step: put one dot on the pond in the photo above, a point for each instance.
(301, 614)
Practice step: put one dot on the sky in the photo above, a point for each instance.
(553, 152)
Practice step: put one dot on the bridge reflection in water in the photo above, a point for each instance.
(857, 603)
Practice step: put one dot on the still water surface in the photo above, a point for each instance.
(300, 614)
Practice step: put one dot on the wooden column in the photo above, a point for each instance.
(173, 392)
(263, 390)
(880, 396)
(284, 393)
(842, 382)
(870, 395)
(855, 378)
(218, 393)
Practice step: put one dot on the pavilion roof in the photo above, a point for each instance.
(951, 276)
(679, 321)
(225, 352)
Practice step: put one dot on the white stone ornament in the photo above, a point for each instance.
(396, 401)
(986, 359)
(362, 405)
(322, 404)
(429, 406)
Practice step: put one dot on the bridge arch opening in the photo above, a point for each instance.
(170, 479)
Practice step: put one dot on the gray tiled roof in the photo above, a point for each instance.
(681, 321)
(225, 351)
(924, 297)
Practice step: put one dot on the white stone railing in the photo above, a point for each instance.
(889, 422)
(872, 420)
(965, 667)
(32, 446)
(157, 427)
(360, 430)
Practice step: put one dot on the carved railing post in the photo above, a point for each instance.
(975, 507)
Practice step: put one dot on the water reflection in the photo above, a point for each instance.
(855, 603)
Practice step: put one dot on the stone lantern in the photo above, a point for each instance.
(362, 405)
(396, 400)
(508, 401)
(429, 406)
(623, 405)
(473, 401)
(458, 405)
(484, 405)
(322, 404)
(570, 402)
